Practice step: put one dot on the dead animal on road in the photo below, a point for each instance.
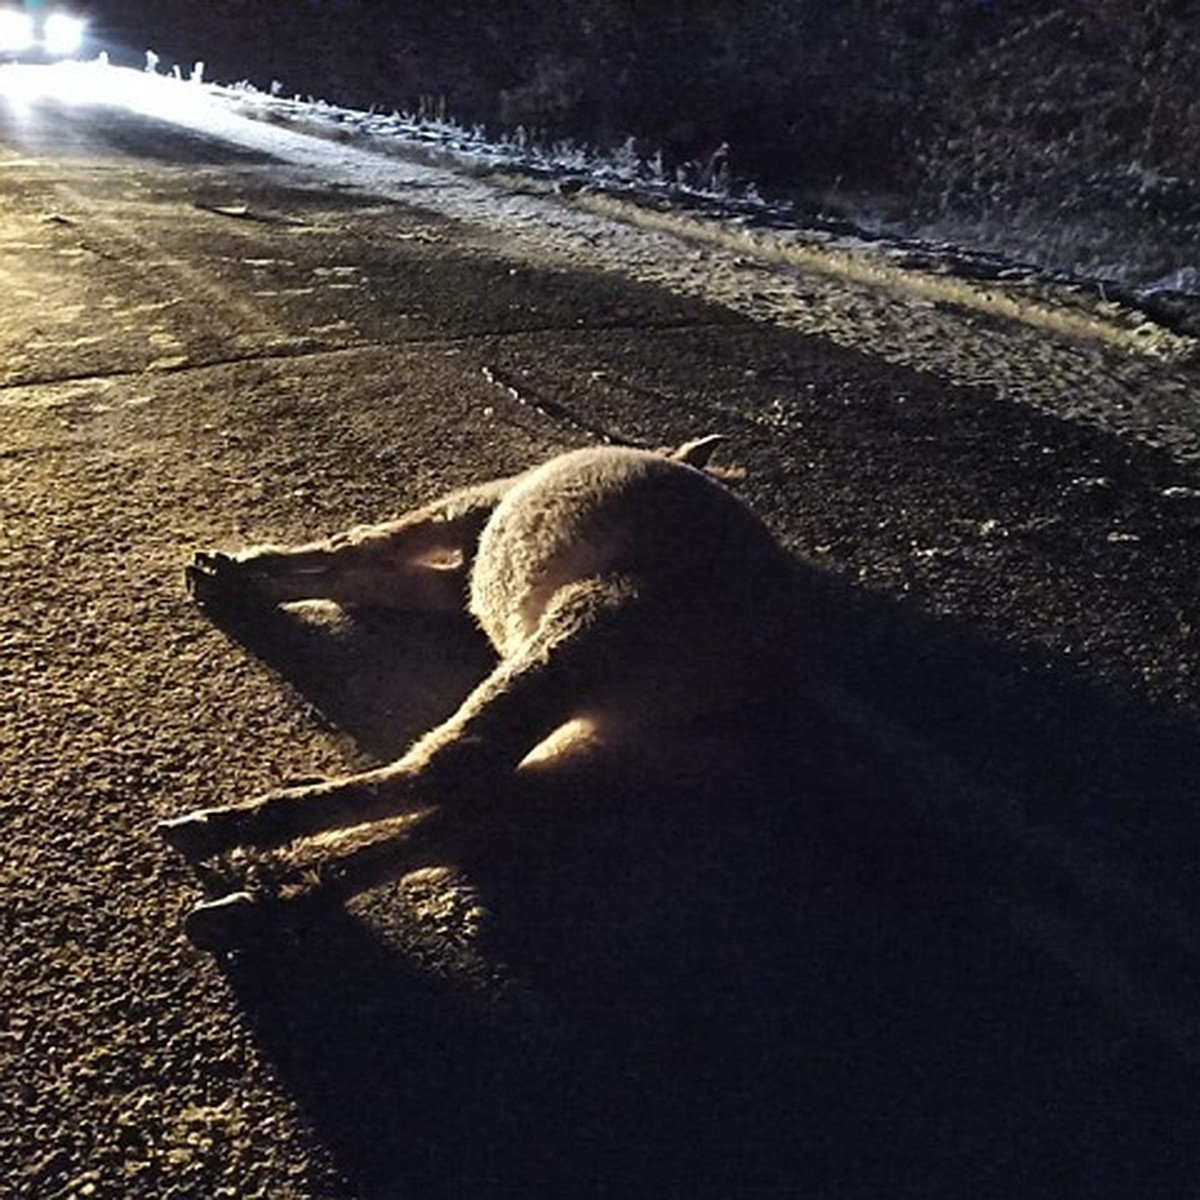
(632, 600)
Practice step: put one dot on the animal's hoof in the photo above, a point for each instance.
(241, 921)
(197, 835)
(208, 576)
(227, 924)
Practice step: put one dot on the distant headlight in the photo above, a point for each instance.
(64, 34)
(16, 31)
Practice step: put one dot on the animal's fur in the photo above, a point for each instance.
(627, 593)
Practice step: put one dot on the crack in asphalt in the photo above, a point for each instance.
(299, 353)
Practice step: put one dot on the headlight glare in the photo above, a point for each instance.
(64, 34)
(16, 31)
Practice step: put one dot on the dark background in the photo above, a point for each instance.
(968, 108)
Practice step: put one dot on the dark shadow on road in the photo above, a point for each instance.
(934, 963)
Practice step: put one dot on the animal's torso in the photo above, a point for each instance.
(680, 537)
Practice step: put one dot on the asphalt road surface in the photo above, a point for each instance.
(940, 940)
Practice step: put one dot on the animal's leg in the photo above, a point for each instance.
(525, 698)
(418, 561)
(328, 870)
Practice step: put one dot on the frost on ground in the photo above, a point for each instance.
(924, 306)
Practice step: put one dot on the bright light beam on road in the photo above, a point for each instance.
(23, 85)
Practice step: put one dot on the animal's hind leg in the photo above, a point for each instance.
(456, 764)
(318, 873)
(417, 562)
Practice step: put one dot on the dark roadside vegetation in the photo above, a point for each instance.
(1063, 134)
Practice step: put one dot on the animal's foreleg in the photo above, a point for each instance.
(418, 561)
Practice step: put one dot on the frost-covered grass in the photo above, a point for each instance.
(628, 182)
(1112, 251)
(1062, 137)
(1120, 262)
(624, 168)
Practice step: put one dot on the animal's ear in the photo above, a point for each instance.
(697, 453)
